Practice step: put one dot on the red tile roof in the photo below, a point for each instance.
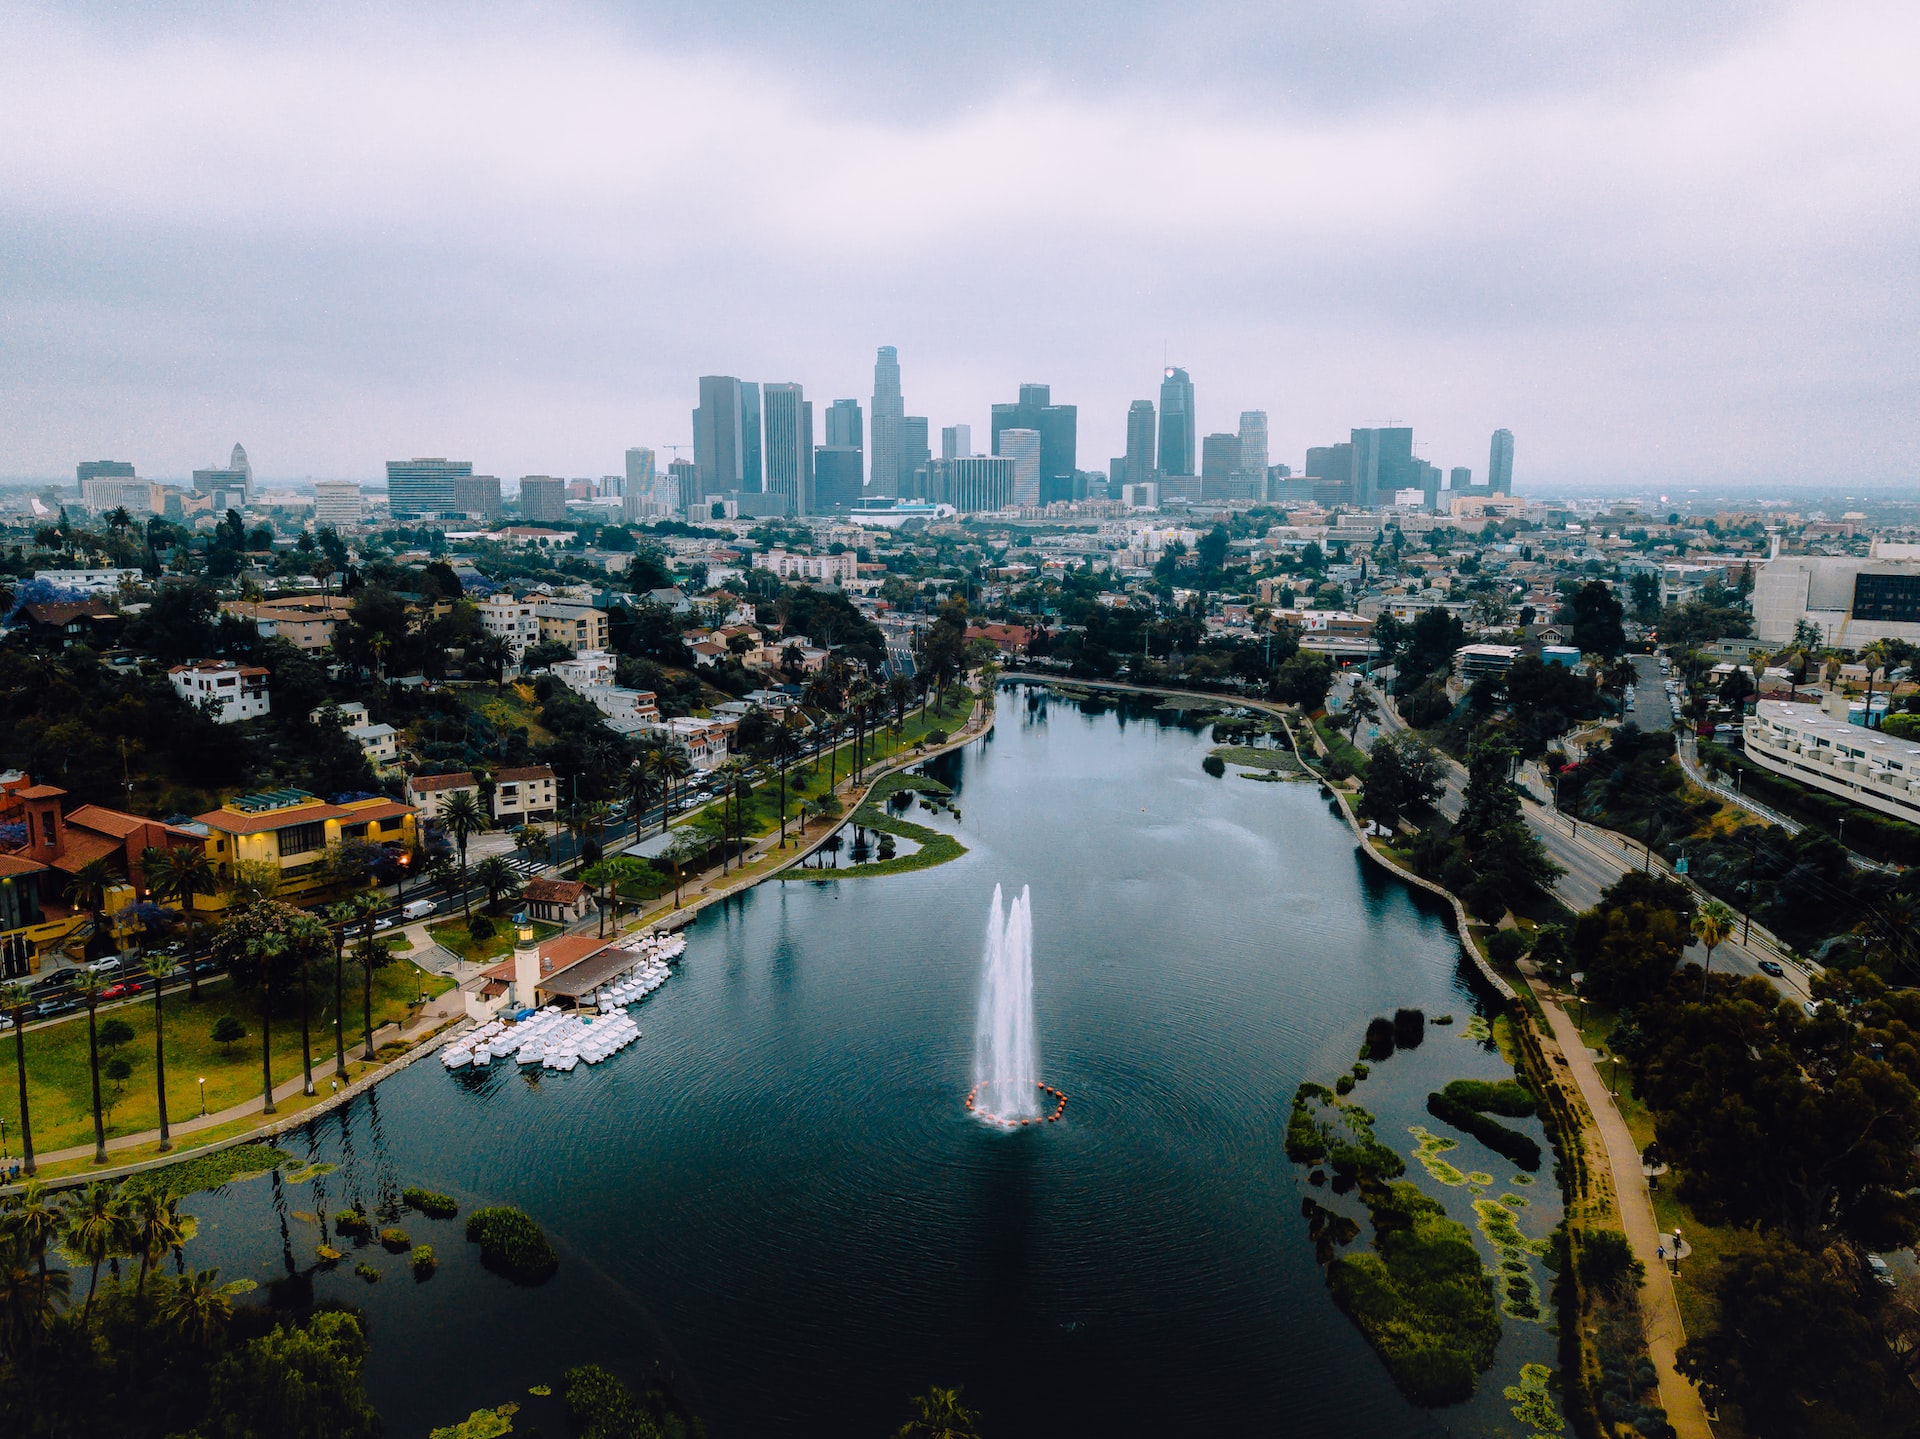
(554, 891)
(424, 783)
(527, 772)
(232, 821)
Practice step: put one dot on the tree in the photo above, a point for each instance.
(1711, 926)
(182, 874)
(532, 840)
(228, 1031)
(88, 890)
(157, 1226)
(1505, 853)
(1211, 552)
(681, 851)
(1383, 795)
(88, 986)
(945, 651)
(938, 1414)
(1304, 681)
(252, 882)
(461, 816)
(497, 877)
(1644, 589)
(95, 1228)
(158, 966)
(15, 999)
(197, 1307)
(298, 1382)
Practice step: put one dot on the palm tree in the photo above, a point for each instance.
(157, 967)
(497, 877)
(29, 1303)
(15, 1000)
(370, 955)
(786, 739)
(38, 1222)
(674, 767)
(732, 772)
(198, 1307)
(681, 850)
(1711, 926)
(899, 696)
(157, 1224)
(267, 950)
(938, 1414)
(96, 1230)
(88, 889)
(88, 986)
(640, 785)
(182, 875)
(461, 816)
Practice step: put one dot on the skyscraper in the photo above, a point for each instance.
(836, 478)
(719, 434)
(1253, 445)
(1219, 464)
(1459, 478)
(543, 499)
(477, 496)
(889, 411)
(1058, 427)
(1023, 448)
(646, 488)
(418, 487)
(956, 442)
(238, 461)
(1500, 463)
(103, 470)
(683, 484)
(844, 427)
(1142, 426)
(1176, 423)
(336, 502)
(972, 483)
(1332, 467)
(789, 441)
(752, 465)
(914, 454)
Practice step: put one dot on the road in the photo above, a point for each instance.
(1592, 858)
(1652, 710)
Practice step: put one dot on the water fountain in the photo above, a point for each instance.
(1006, 1061)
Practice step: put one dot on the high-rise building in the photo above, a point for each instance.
(844, 427)
(915, 452)
(103, 470)
(1023, 448)
(648, 492)
(972, 484)
(1253, 445)
(1058, 427)
(238, 461)
(683, 485)
(1142, 426)
(477, 496)
(113, 492)
(1332, 467)
(1460, 477)
(789, 445)
(1383, 465)
(720, 434)
(956, 442)
(230, 487)
(543, 499)
(1219, 466)
(837, 485)
(1176, 423)
(752, 454)
(889, 412)
(336, 502)
(1500, 463)
(420, 487)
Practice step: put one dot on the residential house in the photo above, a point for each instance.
(429, 793)
(236, 691)
(523, 794)
(823, 569)
(291, 829)
(514, 622)
(304, 621)
(578, 627)
(557, 901)
(62, 623)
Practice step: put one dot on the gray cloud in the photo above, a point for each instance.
(1658, 250)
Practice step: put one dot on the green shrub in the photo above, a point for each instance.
(936, 736)
(1214, 765)
(1306, 1136)
(1607, 1262)
(1505, 946)
(481, 928)
(512, 1244)
(1409, 1027)
(434, 1206)
(1343, 1085)
(1379, 1038)
(116, 1032)
(1360, 1072)
(1509, 1143)
(352, 1223)
(600, 1405)
(228, 1031)
(1500, 1096)
(395, 1241)
(422, 1260)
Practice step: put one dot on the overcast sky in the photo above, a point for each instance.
(1662, 243)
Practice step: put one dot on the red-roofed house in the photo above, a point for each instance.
(558, 901)
(429, 793)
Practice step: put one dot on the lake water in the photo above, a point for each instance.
(777, 1196)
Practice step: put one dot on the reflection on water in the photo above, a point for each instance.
(777, 1197)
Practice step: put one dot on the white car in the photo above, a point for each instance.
(380, 924)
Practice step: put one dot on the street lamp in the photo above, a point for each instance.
(203, 1097)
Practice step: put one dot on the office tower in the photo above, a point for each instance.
(1142, 425)
(683, 485)
(229, 487)
(103, 470)
(845, 429)
(1331, 468)
(336, 503)
(1500, 463)
(238, 461)
(1176, 423)
(1219, 463)
(1023, 448)
(1459, 478)
(956, 442)
(421, 487)
(1253, 445)
(752, 453)
(789, 446)
(837, 485)
(1429, 483)
(1383, 465)
(972, 484)
(1058, 428)
(543, 499)
(477, 496)
(915, 453)
(641, 496)
(889, 411)
(720, 436)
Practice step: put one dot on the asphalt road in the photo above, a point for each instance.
(1652, 710)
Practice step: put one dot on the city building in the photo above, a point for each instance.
(523, 795)
(789, 447)
(1176, 424)
(683, 485)
(889, 413)
(102, 470)
(821, 569)
(93, 582)
(1058, 429)
(971, 484)
(846, 427)
(1219, 466)
(230, 487)
(1142, 465)
(956, 442)
(721, 437)
(1817, 746)
(137, 497)
(1023, 448)
(304, 621)
(915, 454)
(337, 503)
(424, 488)
(1500, 463)
(1253, 447)
(649, 493)
(515, 623)
(430, 793)
(1460, 477)
(579, 627)
(1851, 600)
(291, 829)
(477, 496)
(543, 500)
(1474, 662)
(230, 692)
(837, 482)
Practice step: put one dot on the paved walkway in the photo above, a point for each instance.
(1685, 1410)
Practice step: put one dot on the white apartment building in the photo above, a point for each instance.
(1819, 748)
(429, 793)
(514, 621)
(619, 702)
(586, 669)
(378, 742)
(337, 503)
(240, 691)
(824, 569)
(523, 795)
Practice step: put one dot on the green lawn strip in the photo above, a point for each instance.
(935, 846)
(452, 935)
(1340, 746)
(59, 1085)
(207, 1171)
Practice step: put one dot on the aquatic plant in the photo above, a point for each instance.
(1533, 1402)
(367, 1272)
(1520, 1291)
(395, 1241)
(206, 1171)
(422, 1261)
(352, 1223)
(328, 1255)
(1428, 1152)
(1509, 1143)
(481, 1424)
(1497, 1096)
(434, 1206)
(1477, 1028)
(512, 1244)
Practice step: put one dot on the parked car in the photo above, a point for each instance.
(1882, 1274)
(1772, 967)
(47, 1008)
(383, 924)
(105, 966)
(121, 990)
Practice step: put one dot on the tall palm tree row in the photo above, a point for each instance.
(181, 875)
(463, 817)
(15, 999)
(88, 986)
(158, 967)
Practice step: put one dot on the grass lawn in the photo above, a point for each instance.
(512, 706)
(59, 1087)
(452, 936)
(1338, 745)
(935, 846)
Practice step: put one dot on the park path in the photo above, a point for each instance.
(1686, 1411)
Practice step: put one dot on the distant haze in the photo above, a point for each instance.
(1665, 245)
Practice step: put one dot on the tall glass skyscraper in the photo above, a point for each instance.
(889, 411)
(1176, 423)
(1253, 447)
(1500, 463)
(789, 439)
(719, 437)
(1059, 429)
(1142, 427)
(845, 429)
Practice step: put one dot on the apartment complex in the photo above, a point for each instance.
(524, 794)
(578, 627)
(238, 691)
(291, 829)
(1808, 743)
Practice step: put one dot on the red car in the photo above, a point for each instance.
(121, 990)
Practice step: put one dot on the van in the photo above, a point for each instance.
(417, 909)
